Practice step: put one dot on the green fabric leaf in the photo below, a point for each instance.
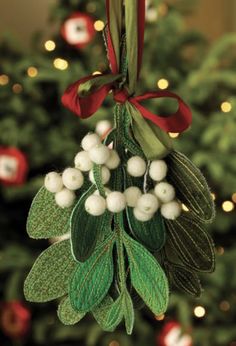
(46, 219)
(50, 274)
(128, 309)
(86, 229)
(147, 276)
(185, 280)
(191, 186)
(191, 243)
(92, 279)
(109, 314)
(67, 315)
(151, 233)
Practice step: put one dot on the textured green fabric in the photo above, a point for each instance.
(94, 84)
(109, 315)
(51, 273)
(185, 280)
(191, 243)
(45, 218)
(151, 233)
(191, 186)
(92, 279)
(86, 229)
(128, 310)
(153, 145)
(147, 276)
(67, 315)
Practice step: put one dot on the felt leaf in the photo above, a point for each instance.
(50, 274)
(92, 279)
(128, 310)
(191, 243)
(185, 280)
(151, 233)
(67, 315)
(46, 219)
(147, 276)
(109, 314)
(191, 186)
(86, 229)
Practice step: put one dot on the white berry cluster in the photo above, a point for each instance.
(145, 205)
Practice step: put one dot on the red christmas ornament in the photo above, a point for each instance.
(13, 166)
(172, 335)
(15, 319)
(78, 30)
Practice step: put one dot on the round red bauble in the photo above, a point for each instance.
(15, 319)
(13, 166)
(78, 30)
(172, 335)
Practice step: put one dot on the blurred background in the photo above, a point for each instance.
(190, 48)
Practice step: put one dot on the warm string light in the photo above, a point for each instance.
(50, 45)
(213, 195)
(199, 311)
(226, 107)
(228, 206)
(225, 306)
(174, 135)
(162, 10)
(17, 88)
(184, 207)
(114, 343)
(96, 73)
(220, 250)
(32, 72)
(234, 197)
(4, 79)
(160, 317)
(163, 84)
(99, 25)
(60, 64)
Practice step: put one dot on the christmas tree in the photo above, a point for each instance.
(34, 122)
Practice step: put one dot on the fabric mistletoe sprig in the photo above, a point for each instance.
(130, 240)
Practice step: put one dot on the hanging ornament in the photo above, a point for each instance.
(13, 166)
(15, 319)
(172, 335)
(122, 204)
(78, 30)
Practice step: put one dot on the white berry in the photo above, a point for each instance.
(165, 192)
(116, 202)
(158, 170)
(136, 166)
(95, 205)
(114, 160)
(103, 127)
(105, 175)
(171, 210)
(132, 194)
(99, 154)
(90, 141)
(148, 203)
(107, 191)
(83, 162)
(53, 182)
(72, 178)
(140, 216)
(65, 198)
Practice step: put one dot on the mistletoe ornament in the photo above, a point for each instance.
(130, 241)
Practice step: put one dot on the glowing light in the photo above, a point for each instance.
(174, 134)
(199, 311)
(213, 195)
(220, 250)
(96, 73)
(224, 306)
(99, 25)
(32, 72)
(184, 207)
(162, 10)
(160, 317)
(4, 79)
(17, 88)
(114, 343)
(163, 84)
(60, 64)
(226, 107)
(234, 197)
(50, 45)
(228, 206)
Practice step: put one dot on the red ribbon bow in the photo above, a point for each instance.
(85, 106)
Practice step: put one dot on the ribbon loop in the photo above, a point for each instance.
(121, 96)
